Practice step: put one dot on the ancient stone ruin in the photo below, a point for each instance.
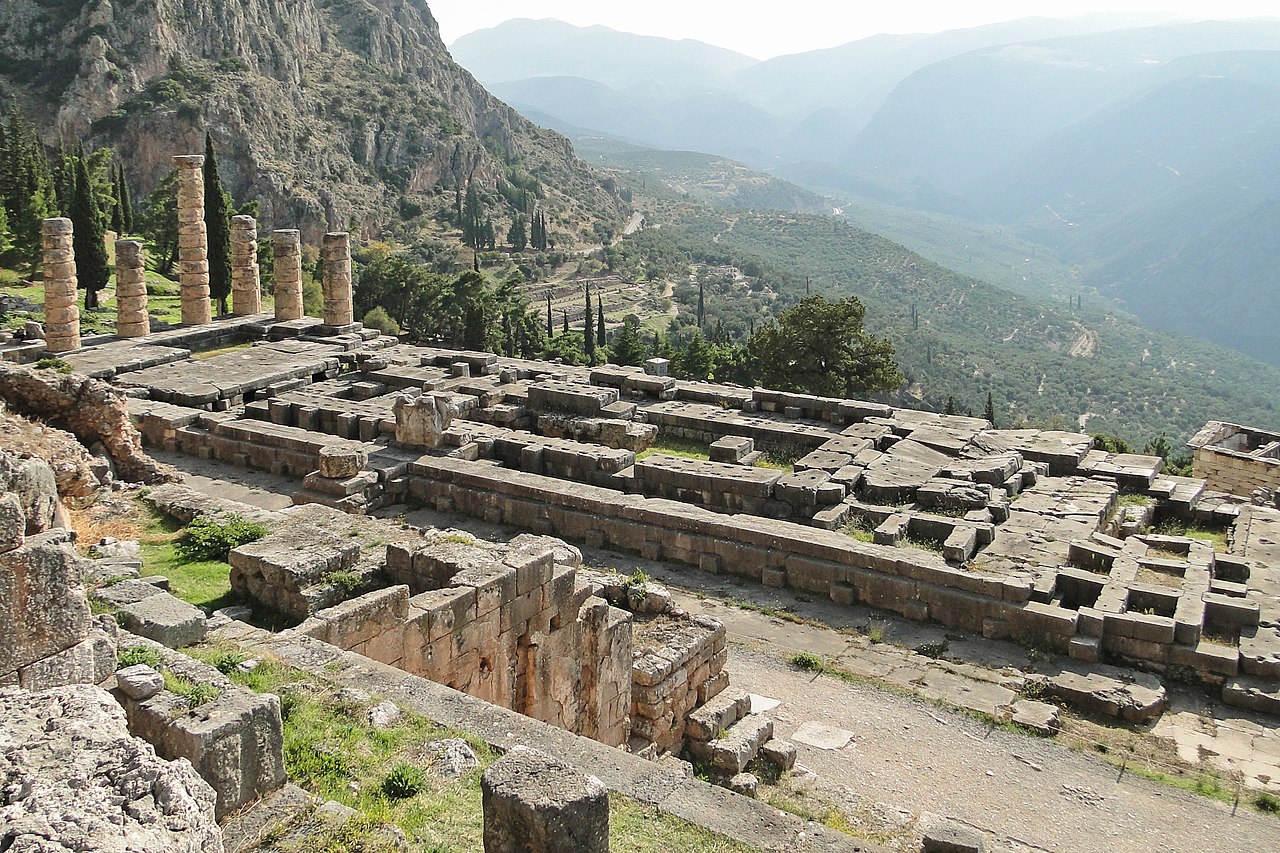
(1025, 534)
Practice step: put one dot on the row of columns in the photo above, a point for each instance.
(62, 313)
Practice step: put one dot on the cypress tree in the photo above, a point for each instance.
(701, 304)
(950, 407)
(588, 330)
(517, 237)
(990, 411)
(550, 329)
(90, 238)
(117, 209)
(126, 201)
(599, 320)
(217, 222)
(564, 324)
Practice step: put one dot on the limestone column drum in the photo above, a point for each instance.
(132, 320)
(287, 270)
(193, 241)
(246, 284)
(61, 314)
(338, 310)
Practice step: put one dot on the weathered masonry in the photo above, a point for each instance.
(1237, 459)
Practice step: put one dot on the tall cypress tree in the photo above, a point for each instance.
(217, 223)
(588, 330)
(90, 238)
(600, 339)
(990, 412)
(117, 208)
(126, 201)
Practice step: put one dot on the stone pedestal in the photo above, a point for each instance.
(132, 320)
(61, 314)
(246, 284)
(536, 804)
(336, 257)
(288, 273)
(193, 241)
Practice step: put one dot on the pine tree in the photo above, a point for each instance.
(950, 407)
(600, 338)
(217, 223)
(628, 349)
(6, 239)
(90, 238)
(588, 330)
(990, 411)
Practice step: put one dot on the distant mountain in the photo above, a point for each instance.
(524, 48)
(1141, 159)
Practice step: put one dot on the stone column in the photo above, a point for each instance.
(336, 282)
(287, 271)
(534, 803)
(246, 284)
(132, 320)
(193, 241)
(61, 313)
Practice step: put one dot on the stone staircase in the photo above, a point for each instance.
(727, 739)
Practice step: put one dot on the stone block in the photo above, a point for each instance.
(165, 619)
(716, 714)
(948, 836)
(534, 803)
(338, 462)
(780, 753)
(732, 753)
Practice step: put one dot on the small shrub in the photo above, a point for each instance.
(136, 655)
(933, 650)
(403, 782)
(878, 630)
(347, 581)
(806, 661)
(53, 363)
(210, 539)
(1267, 803)
(226, 662)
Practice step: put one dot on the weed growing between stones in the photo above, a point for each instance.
(213, 539)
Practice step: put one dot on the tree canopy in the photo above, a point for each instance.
(820, 347)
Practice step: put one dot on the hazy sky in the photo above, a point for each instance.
(805, 24)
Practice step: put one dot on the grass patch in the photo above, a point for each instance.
(194, 694)
(922, 543)
(682, 447)
(331, 751)
(860, 528)
(202, 355)
(138, 655)
(204, 583)
(772, 612)
(1136, 500)
(1216, 536)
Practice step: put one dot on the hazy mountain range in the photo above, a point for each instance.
(1144, 157)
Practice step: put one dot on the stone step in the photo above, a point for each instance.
(732, 753)
(283, 808)
(718, 714)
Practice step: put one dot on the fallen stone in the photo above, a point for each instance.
(1039, 717)
(532, 802)
(384, 715)
(165, 619)
(450, 758)
(948, 836)
(1131, 696)
(745, 784)
(110, 547)
(733, 752)
(129, 591)
(780, 753)
(822, 736)
(139, 682)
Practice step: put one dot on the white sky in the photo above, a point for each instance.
(805, 24)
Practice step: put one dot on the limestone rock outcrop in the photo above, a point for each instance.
(90, 409)
(74, 780)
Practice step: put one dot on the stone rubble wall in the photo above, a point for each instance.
(1235, 473)
(677, 666)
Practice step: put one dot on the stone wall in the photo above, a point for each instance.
(48, 637)
(1235, 459)
(511, 626)
(677, 665)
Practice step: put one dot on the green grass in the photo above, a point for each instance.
(204, 583)
(213, 353)
(331, 752)
(1217, 536)
(681, 447)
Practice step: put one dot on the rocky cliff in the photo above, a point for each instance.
(334, 113)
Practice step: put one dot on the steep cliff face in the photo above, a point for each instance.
(331, 112)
